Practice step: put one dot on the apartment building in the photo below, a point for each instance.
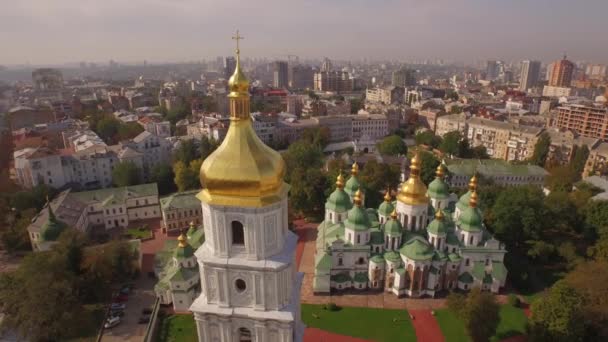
(450, 123)
(564, 142)
(103, 208)
(597, 162)
(333, 81)
(588, 120)
(372, 126)
(428, 118)
(503, 140)
(499, 171)
(265, 127)
(179, 210)
(386, 95)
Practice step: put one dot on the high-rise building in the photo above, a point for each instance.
(492, 70)
(46, 79)
(596, 71)
(280, 74)
(250, 286)
(333, 81)
(404, 77)
(326, 66)
(301, 76)
(530, 74)
(229, 65)
(588, 121)
(561, 73)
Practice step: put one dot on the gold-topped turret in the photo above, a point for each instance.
(357, 199)
(387, 196)
(394, 214)
(473, 200)
(243, 171)
(340, 181)
(440, 173)
(473, 183)
(413, 191)
(439, 215)
(182, 240)
(354, 169)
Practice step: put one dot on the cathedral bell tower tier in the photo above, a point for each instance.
(250, 287)
(412, 199)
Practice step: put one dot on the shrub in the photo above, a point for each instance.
(331, 307)
(513, 300)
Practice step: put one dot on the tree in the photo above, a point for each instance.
(451, 144)
(162, 175)
(307, 194)
(561, 178)
(107, 129)
(186, 152)
(377, 177)
(480, 315)
(302, 155)
(355, 105)
(33, 198)
(392, 145)
(541, 150)
(15, 236)
(429, 166)
(207, 146)
(596, 217)
(519, 215)
(427, 138)
(125, 174)
(318, 136)
(557, 315)
(128, 130)
(187, 177)
(580, 156)
(479, 152)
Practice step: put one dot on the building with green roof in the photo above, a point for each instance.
(373, 249)
(179, 210)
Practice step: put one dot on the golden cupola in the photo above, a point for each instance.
(243, 171)
(413, 191)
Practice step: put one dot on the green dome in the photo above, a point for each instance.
(191, 230)
(352, 185)
(438, 189)
(52, 228)
(183, 249)
(357, 219)
(386, 208)
(393, 227)
(438, 226)
(470, 220)
(392, 256)
(339, 201)
(463, 202)
(418, 249)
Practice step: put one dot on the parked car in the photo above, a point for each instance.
(144, 319)
(117, 313)
(146, 311)
(121, 298)
(118, 306)
(111, 322)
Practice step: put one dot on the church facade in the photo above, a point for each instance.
(250, 287)
(426, 241)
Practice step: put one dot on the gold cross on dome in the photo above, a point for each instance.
(237, 38)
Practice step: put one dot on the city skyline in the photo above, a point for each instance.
(70, 31)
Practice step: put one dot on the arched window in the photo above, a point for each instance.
(238, 233)
(244, 335)
(471, 240)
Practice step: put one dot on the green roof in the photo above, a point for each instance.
(357, 219)
(479, 270)
(53, 227)
(417, 248)
(463, 202)
(492, 168)
(376, 237)
(184, 252)
(196, 238)
(339, 201)
(437, 227)
(361, 277)
(386, 208)
(438, 189)
(470, 220)
(341, 277)
(452, 239)
(453, 257)
(392, 256)
(378, 259)
(465, 278)
(183, 274)
(393, 227)
(352, 185)
(323, 263)
(111, 196)
(499, 271)
(487, 279)
(440, 256)
(181, 200)
(400, 271)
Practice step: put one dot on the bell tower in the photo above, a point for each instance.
(250, 287)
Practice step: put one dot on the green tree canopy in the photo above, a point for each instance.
(561, 178)
(451, 144)
(427, 138)
(302, 155)
(377, 178)
(580, 156)
(355, 105)
(307, 194)
(479, 312)
(596, 217)
(392, 145)
(187, 176)
(429, 166)
(125, 174)
(107, 129)
(162, 175)
(541, 150)
(557, 315)
(186, 152)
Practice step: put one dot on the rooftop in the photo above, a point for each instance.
(492, 167)
(179, 200)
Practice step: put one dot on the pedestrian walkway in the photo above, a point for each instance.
(318, 335)
(426, 326)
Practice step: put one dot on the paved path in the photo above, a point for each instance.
(426, 326)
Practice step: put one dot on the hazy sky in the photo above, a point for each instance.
(58, 31)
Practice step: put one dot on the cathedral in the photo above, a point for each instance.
(250, 287)
(426, 241)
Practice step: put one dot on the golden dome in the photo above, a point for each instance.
(413, 191)
(473, 183)
(243, 171)
(387, 196)
(182, 240)
(473, 200)
(355, 169)
(440, 173)
(394, 214)
(439, 215)
(357, 198)
(340, 181)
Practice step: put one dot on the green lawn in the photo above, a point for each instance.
(366, 323)
(512, 322)
(177, 328)
(139, 233)
(87, 331)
